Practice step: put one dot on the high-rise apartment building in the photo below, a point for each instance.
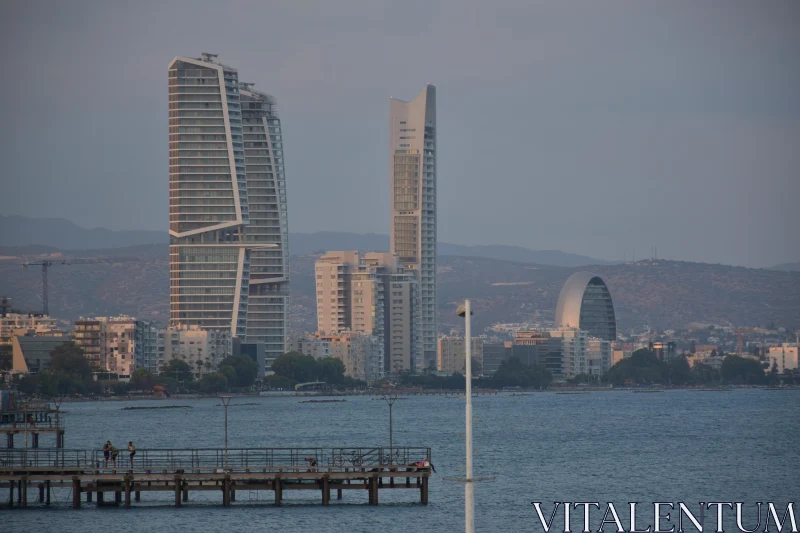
(412, 171)
(228, 230)
(370, 294)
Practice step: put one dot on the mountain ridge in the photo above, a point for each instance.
(19, 231)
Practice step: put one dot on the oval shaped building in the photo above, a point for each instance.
(585, 303)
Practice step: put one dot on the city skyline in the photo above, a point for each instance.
(685, 139)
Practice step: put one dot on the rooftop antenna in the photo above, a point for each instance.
(208, 57)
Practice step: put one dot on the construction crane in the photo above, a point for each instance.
(740, 343)
(47, 263)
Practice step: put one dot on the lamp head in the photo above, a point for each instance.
(462, 311)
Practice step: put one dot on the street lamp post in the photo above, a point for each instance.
(390, 399)
(469, 503)
(226, 401)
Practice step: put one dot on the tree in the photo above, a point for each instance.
(246, 370)
(213, 383)
(680, 373)
(142, 379)
(68, 358)
(641, 367)
(230, 375)
(295, 366)
(737, 369)
(513, 373)
(330, 370)
(177, 369)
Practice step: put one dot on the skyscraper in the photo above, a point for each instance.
(228, 235)
(412, 171)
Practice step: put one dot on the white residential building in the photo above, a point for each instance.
(201, 349)
(574, 346)
(783, 357)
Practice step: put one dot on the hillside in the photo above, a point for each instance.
(664, 294)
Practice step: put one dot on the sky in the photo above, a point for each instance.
(601, 128)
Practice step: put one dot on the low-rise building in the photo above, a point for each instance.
(598, 352)
(664, 350)
(574, 344)
(493, 356)
(13, 324)
(451, 354)
(361, 354)
(32, 353)
(201, 349)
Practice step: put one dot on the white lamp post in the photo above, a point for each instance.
(469, 503)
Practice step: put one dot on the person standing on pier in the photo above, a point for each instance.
(106, 453)
(114, 454)
(132, 449)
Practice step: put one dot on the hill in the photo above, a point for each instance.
(58, 234)
(787, 267)
(63, 234)
(662, 294)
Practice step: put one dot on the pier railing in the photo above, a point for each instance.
(209, 458)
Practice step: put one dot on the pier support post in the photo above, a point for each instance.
(76, 492)
(88, 496)
(41, 492)
(226, 490)
(23, 492)
(34, 440)
(11, 496)
(233, 491)
(338, 494)
(423, 491)
(178, 491)
(278, 490)
(326, 490)
(137, 495)
(47, 492)
(99, 498)
(117, 496)
(10, 440)
(186, 491)
(127, 484)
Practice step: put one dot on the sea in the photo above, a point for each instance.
(740, 445)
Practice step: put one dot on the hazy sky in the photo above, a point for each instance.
(590, 127)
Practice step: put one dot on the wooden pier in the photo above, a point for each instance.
(182, 472)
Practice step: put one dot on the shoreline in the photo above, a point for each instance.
(432, 392)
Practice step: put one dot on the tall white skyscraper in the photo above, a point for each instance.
(412, 171)
(228, 235)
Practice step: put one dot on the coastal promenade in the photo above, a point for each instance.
(183, 471)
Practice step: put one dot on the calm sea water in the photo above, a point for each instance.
(690, 446)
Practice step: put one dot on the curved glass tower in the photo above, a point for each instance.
(585, 303)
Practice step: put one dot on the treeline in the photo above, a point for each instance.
(645, 368)
(293, 368)
(512, 373)
(70, 373)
